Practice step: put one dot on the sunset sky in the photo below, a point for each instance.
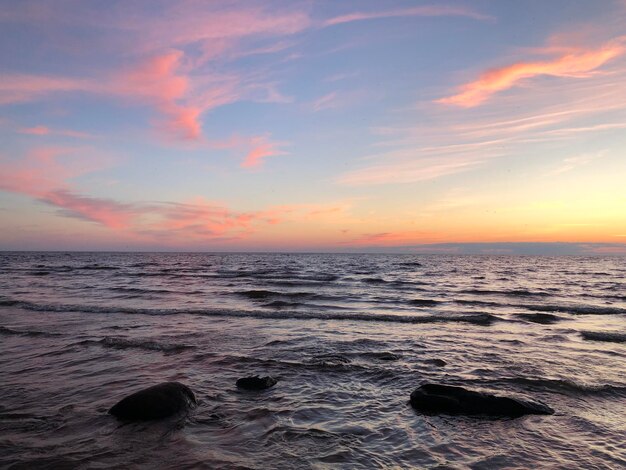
(313, 125)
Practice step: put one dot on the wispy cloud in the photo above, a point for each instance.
(44, 130)
(444, 142)
(426, 10)
(570, 163)
(261, 148)
(575, 63)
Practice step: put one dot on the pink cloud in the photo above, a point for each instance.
(37, 130)
(45, 174)
(573, 63)
(44, 130)
(107, 212)
(261, 149)
(157, 81)
(45, 168)
(328, 101)
(427, 10)
(19, 88)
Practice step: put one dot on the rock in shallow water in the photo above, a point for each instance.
(446, 399)
(256, 382)
(156, 402)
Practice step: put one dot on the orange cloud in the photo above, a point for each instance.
(574, 63)
(391, 238)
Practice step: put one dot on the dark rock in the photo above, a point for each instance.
(256, 383)
(446, 399)
(156, 402)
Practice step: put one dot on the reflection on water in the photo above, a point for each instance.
(348, 336)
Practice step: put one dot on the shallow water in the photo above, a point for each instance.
(348, 336)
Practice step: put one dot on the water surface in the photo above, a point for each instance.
(348, 336)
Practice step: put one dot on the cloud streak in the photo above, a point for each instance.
(577, 63)
(426, 10)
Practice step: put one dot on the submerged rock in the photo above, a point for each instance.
(256, 382)
(446, 399)
(156, 402)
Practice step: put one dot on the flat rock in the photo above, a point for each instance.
(446, 399)
(256, 382)
(156, 402)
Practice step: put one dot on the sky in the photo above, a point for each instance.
(460, 126)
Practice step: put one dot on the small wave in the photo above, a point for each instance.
(40, 273)
(374, 280)
(511, 292)
(9, 331)
(330, 360)
(149, 345)
(268, 294)
(281, 304)
(138, 290)
(424, 302)
(543, 318)
(565, 386)
(411, 264)
(97, 267)
(483, 319)
(576, 309)
(483, 303)
(381, 355)
(608, 336)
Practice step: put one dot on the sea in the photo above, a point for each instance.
(347, 336)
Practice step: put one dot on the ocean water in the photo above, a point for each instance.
(349, 337)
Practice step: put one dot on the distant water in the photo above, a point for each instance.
(348, 336)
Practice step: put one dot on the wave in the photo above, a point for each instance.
(97, 267)
(149, 345)
(139, 290)
(411, 264)
(550, 308)
(374, 280)
(9, 331)
(564, 386)
(543, 318)
(508, 292)
(268, 294)
(425, 302)
(608, 336)
(483, 319)
(575, 309)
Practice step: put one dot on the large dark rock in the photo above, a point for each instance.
(446, 399)
(256, 383)
(156, 402)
